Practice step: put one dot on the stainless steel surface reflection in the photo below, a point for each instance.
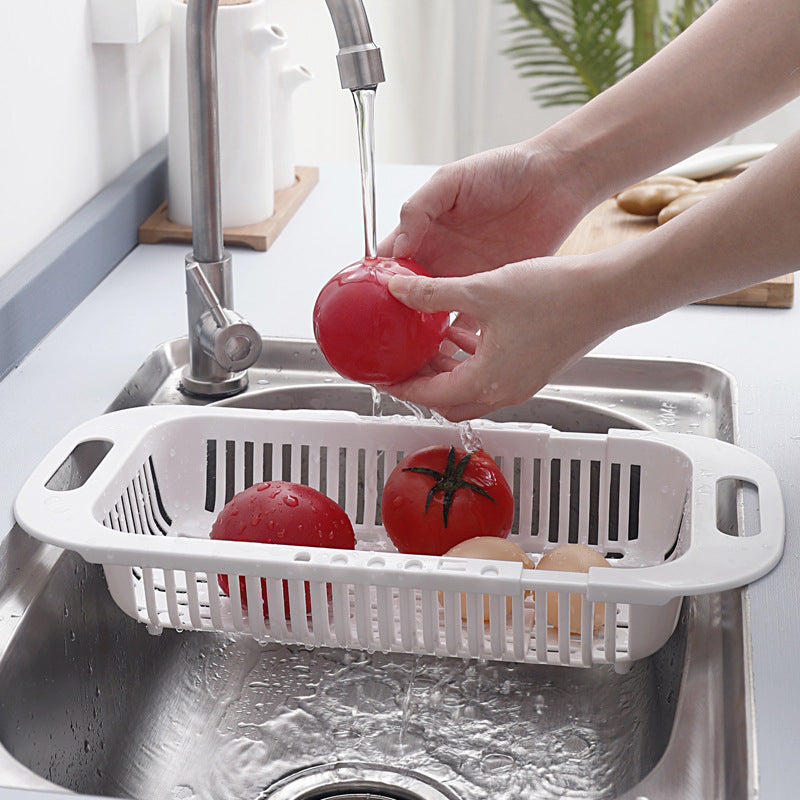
(89, 701)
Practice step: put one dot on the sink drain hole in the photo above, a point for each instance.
(354, 781)
(366, 795)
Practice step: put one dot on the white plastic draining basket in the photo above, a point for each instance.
(647, 501)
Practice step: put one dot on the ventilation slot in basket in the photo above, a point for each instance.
(140, 508)
(344, 474)
(576, 500)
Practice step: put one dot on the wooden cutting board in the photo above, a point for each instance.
(608, 225)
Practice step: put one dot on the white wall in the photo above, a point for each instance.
(77, 114)
(448, 91)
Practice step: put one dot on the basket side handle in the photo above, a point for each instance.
(715, 561)
(58, 492)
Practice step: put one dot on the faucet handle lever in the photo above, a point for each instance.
(223, 334)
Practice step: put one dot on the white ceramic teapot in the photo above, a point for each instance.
(286, 78)
(254, 113)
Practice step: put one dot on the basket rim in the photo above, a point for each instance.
(720, 562)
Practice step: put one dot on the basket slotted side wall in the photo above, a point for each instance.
(567, 488)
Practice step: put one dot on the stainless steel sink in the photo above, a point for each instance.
(90, 702)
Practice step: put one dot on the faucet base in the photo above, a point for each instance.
(226, 387)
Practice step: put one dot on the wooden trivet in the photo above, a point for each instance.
(259, 236)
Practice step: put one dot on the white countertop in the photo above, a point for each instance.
(79, 368)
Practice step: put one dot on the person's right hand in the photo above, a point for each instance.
(532, 320)
(491, 209)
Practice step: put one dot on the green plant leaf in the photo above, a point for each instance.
(576, 41)
(574, 49)
(682, 14)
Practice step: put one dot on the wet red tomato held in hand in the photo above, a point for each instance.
(440, 496)
(368, 335)
(280, 512)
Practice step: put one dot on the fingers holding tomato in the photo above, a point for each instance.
(368, 335)
(439, 496)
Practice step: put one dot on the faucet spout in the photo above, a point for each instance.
(201, 58)
(359, 59)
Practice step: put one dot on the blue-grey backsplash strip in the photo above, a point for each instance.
(58, 274)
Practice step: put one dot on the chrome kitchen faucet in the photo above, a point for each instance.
(222, 344)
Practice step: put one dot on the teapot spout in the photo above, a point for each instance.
(266, 37)
(293, 77)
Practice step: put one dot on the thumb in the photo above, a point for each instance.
(430, 294)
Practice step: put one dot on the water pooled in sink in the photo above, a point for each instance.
(483, 729)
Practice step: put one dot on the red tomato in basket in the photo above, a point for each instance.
(365, 333)
(279, 512)
(440, 496)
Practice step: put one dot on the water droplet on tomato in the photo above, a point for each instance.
(291, 501)
(262, 486)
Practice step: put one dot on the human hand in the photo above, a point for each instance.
(490, 209)
(534, 319)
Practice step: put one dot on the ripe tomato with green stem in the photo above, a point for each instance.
(440, 496)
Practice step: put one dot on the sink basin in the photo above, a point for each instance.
(90, 702)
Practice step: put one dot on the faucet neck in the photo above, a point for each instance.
(201, 57)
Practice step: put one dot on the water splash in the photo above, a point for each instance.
(377, 402)
(470, 439)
